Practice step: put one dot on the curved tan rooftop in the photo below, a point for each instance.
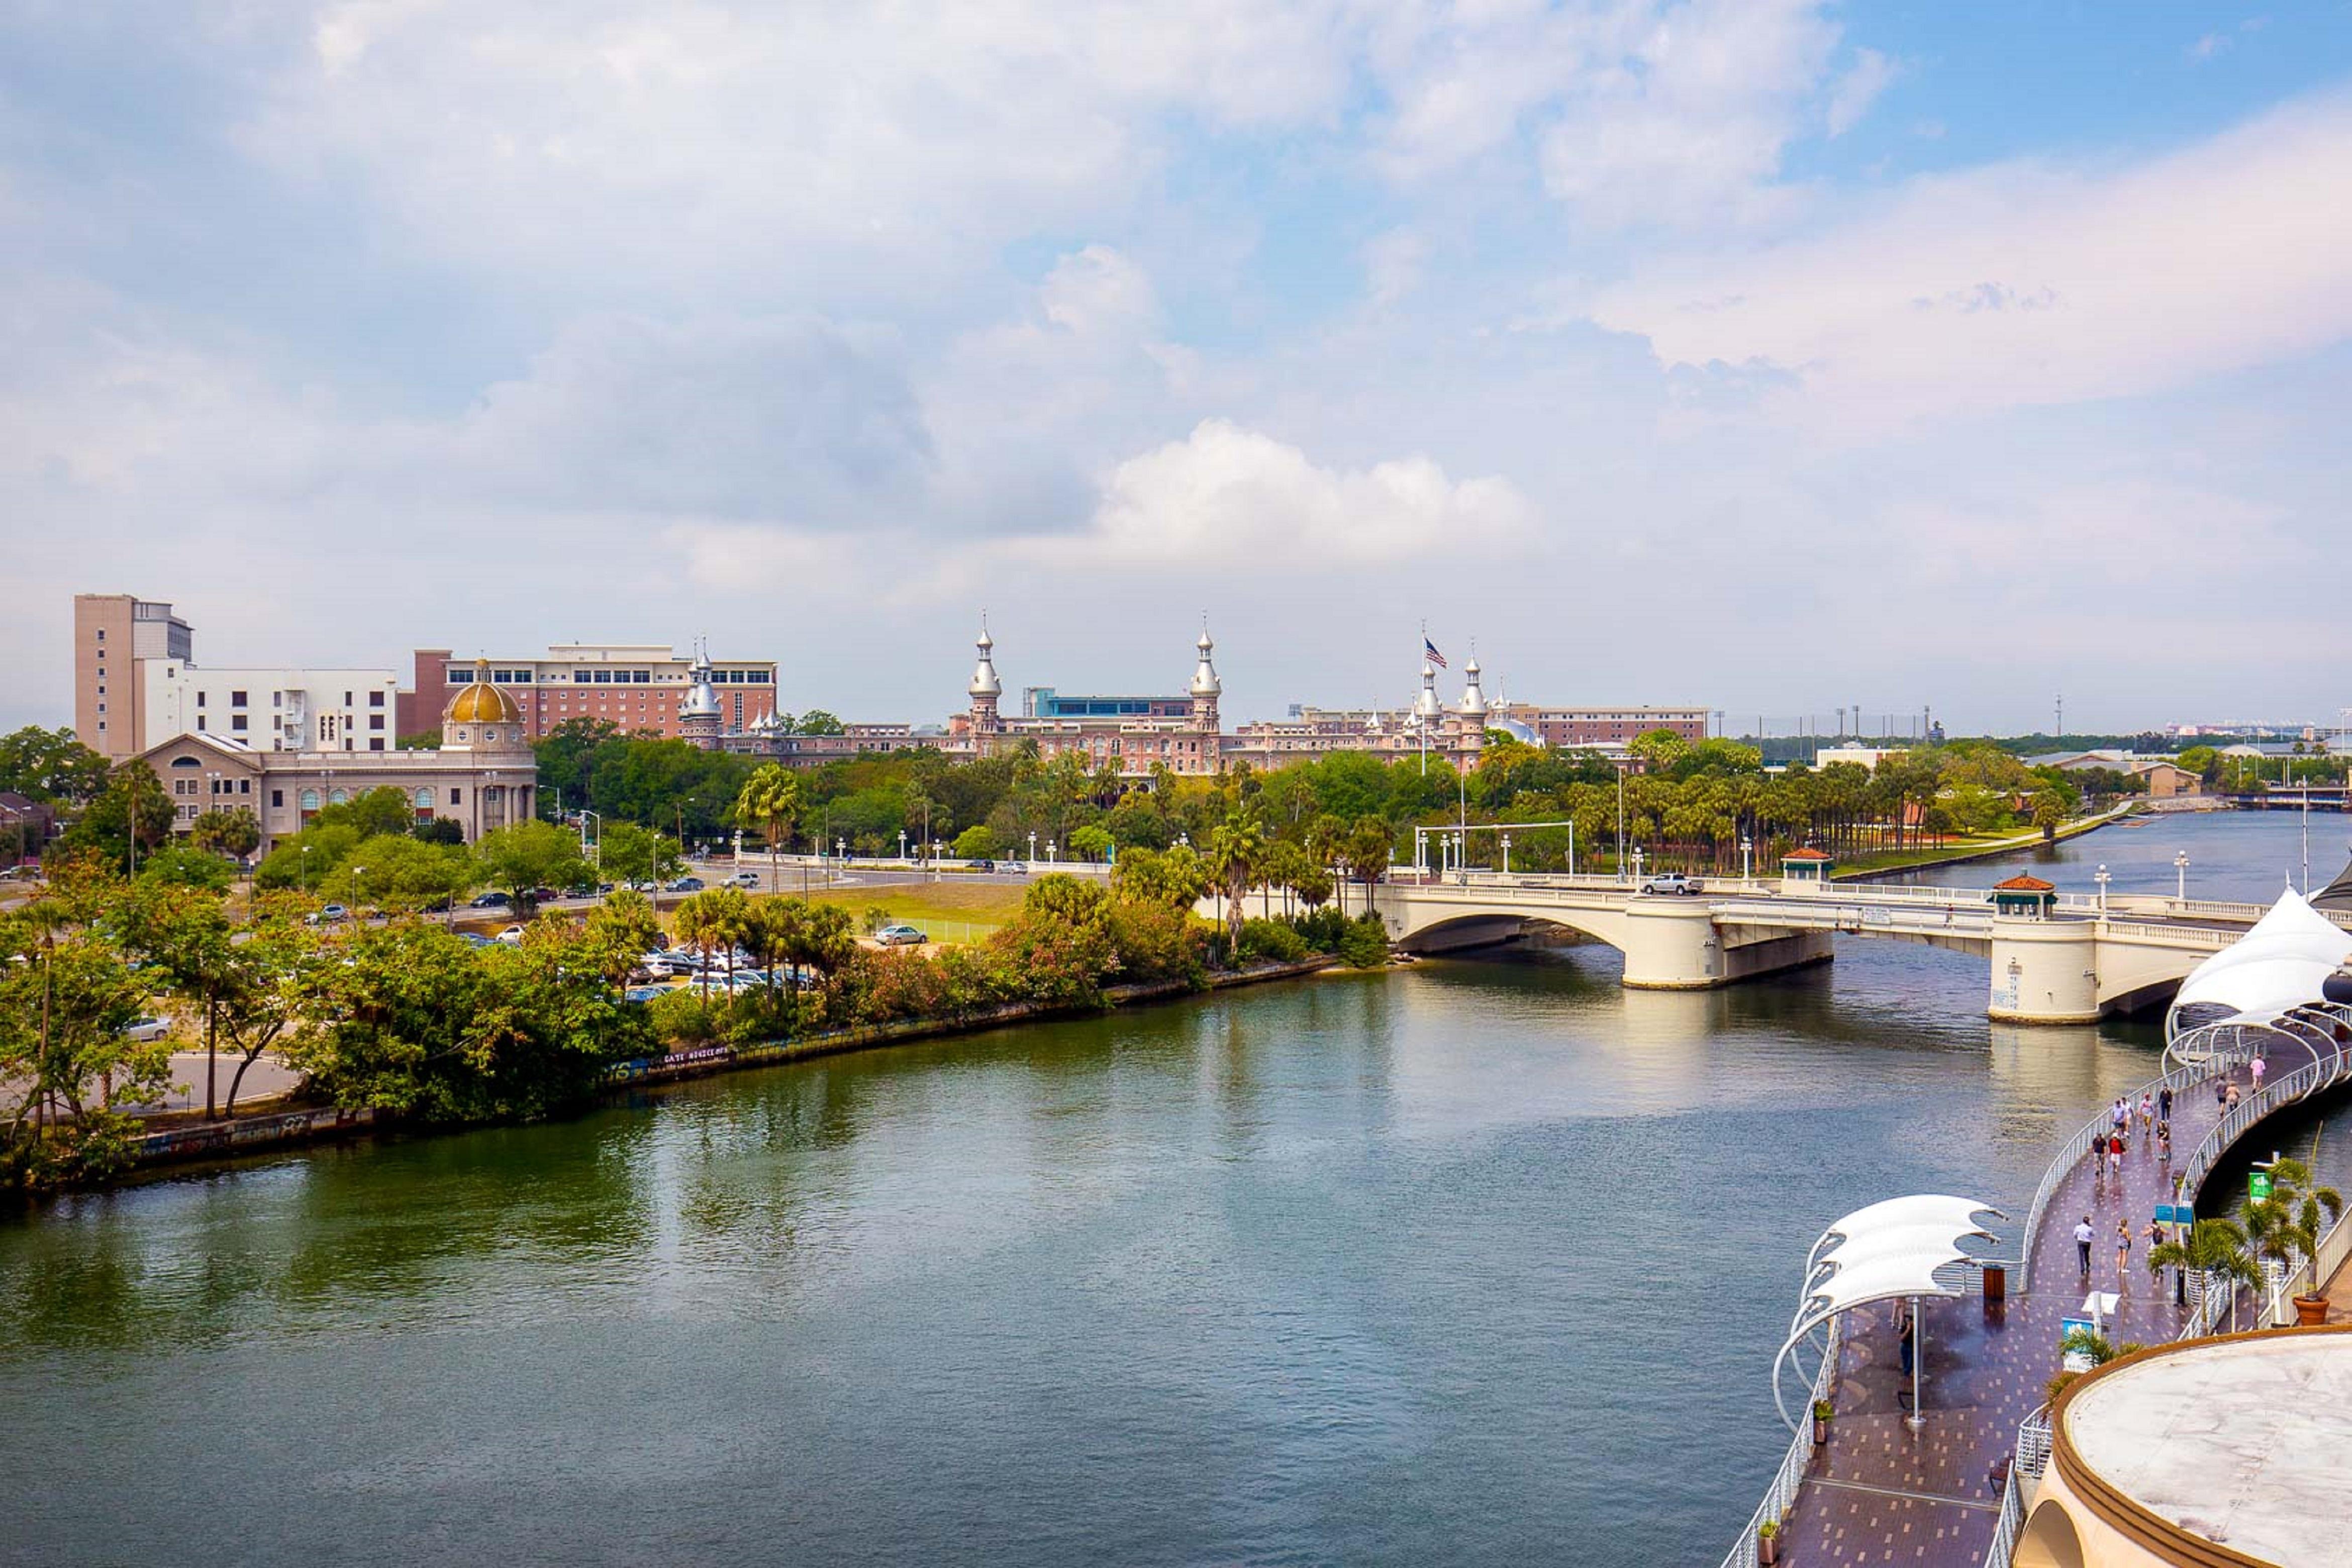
(2218, 1451)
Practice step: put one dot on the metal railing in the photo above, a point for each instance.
(2031, 1460)
(2064, 1162)
(1780, 1496)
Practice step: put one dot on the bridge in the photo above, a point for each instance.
(2072, 960)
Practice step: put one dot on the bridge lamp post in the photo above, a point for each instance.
(2102, 879)
(2180, 865)
(902, 843)
(1033, 846)
(1746, 849)
(1637, 864)
(1507, 854)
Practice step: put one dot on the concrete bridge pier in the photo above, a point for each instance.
(2044, 972)
(1670, 946)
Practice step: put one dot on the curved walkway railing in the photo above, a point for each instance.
(1781, 1494)
(2062, 1163)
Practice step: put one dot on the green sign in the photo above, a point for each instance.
(2258, 1185)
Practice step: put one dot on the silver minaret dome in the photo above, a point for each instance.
(983, 676)
(1204, 674)
(1473, 698)
(1426, 706)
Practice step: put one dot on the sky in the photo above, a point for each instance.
(1766, 355)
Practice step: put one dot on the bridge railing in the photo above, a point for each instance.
(1780, 1495)
(2188, 936)
(2062, 1163)
(2027, 1462)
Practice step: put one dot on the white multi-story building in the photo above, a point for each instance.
(271, 710)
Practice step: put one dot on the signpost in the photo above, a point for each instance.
(2258, 1185)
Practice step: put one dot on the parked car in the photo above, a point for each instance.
(1013, 867)
(146, 1029)
(900, 936)
(1674, 882)
(685, 885)
(473, 939)
(512, 936)
(331, 913)
(643, 992)
(745, 878)
(983, 865)
(668, 964)
(488, 901)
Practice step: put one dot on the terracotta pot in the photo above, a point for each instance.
(1821, 1432)
(2310, 1311)
(1768, 1550)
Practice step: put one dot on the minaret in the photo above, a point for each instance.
(1206, 687)
(1427, 709)
(984, 691)
(697, 715)
(1471, 713)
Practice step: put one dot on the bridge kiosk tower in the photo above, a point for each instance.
(1805, 872)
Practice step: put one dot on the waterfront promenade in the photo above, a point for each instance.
(1880, 1491)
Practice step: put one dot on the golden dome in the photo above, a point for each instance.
(482, 703)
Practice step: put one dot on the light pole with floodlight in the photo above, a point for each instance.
(2102, 878)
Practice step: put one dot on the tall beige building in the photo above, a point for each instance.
(113, 633)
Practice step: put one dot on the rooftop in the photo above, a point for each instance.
(2240, 1441)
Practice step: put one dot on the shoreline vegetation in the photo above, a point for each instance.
(409, 1023)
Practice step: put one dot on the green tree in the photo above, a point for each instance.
(711, 922)
(2216, 1249)
(772, 798)
(2049, 813)
(618, 932)
(975, 843)
(1236, 852)
(523, 855)
(230, 831)
(632, 854)
(371, 812)
(405, 873)
(2286, 1225)
(1174, 877)
(817, 721)
(1091, 842)
(187, 867)
(50, 767)
(1367, 852)
(66, 992)
(131, 806)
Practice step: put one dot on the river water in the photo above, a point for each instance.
(1484, 1261)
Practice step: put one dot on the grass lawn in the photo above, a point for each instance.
(946, 910)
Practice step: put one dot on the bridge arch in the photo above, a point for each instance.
(1455, 929)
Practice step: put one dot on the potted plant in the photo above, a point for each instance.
(1768, 1542)
(1822, 1411)
(2216, 1248)
(2286, 1225)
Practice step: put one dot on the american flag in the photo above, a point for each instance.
(1430, 649)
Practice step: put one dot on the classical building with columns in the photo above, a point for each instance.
(1185, 733)
(482, 777)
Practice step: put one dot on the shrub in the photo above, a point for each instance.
(1365, 945)
(1273, 940)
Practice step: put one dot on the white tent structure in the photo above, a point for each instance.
(1900, 1249)
(2269, 984)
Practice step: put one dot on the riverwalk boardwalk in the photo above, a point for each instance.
(1885, 1489)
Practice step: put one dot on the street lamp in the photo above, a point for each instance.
(1051, 849)
(1507, 854)
(306, 868)
(2180, 865)
(902, 843)
(2102, 879)
(1033, 846)
(1746, 850)
(355, 888)
(1637, 864)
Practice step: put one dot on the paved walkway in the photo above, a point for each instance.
(1879, 1492)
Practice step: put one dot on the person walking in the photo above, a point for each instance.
(2228, 1100)
(2164, 1104)
(2115, 1162)
(2221, 1093)
(2082, 1238)
(2123, 1256)
(2147, 1113)
(2256, 1069)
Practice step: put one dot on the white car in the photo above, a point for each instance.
(1674, 882)
(512, 936)
(146, 1029)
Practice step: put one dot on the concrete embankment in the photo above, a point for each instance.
(219, 1140)
(1989, 852)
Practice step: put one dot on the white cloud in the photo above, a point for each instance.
(1393, 262)
(1226, 494)
(1871, 74)
(2027, 284)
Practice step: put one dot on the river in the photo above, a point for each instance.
(1483, 1261)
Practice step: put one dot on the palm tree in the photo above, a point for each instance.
(1236, 850)
(771, 797)
(2216, 1248)
(711, 921)
(1368, 853)
(2286, 1225)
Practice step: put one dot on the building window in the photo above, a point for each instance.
(456, 796)
(245, 786)
(375, 698)
(200, 723)
(375, 743)
(423, 798)
(101, 636)
(102, 708)
(200, 698)
(278, 800)
(347, 699)
(309, 800)
(235, 699)
(236, 720)
(338, 797)
(376, 721)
